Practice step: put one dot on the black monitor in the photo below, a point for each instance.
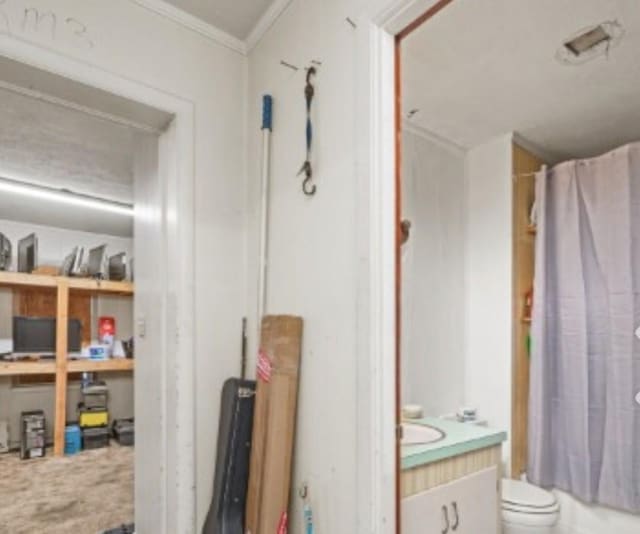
(38, 335)
(28, 254)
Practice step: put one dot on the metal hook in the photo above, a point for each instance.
(308, 172)
(309, 191)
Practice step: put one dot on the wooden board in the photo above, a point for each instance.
(100, 286)
(274, 425)
(61, 368)
(524, 163)
(13, 279)
(90, 366)
(27, 368)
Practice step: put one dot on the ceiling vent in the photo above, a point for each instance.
(586, 41)
(589, 43)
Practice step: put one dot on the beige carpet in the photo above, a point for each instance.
(82, 494)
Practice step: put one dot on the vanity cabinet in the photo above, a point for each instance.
(467, 505)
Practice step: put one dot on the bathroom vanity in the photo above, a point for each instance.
(452, 484)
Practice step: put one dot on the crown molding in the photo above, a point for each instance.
(443, 142)
(195, 24)
(267, 20)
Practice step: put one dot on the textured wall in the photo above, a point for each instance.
(44, 143)
(433, 275)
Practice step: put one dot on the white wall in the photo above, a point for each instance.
(488, 369)
(54, 244)
(323, 257)
(130, 41)
(433, 272)
(312, 245)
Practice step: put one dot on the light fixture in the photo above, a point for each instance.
(64, 196)
(590, 43)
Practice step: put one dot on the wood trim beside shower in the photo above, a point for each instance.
(524, 163)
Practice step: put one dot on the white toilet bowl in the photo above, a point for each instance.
(527, 509)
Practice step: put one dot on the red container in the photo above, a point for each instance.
(106, 330)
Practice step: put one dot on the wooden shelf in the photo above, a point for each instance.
(100, 286)
(11, 279)
(27, 368)
(48, 367)
(17, 280)
(94, 366)
(61, 367)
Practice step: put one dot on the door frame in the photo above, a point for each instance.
(379, 391)
(175, 260)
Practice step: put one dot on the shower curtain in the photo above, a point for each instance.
(584, 421)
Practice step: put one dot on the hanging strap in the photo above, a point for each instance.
(308, 188)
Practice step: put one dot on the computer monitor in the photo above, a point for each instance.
(33, 335)
(28, 254)
(97, 261)
(118, 267)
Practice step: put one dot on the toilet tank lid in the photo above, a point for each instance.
(520, 493)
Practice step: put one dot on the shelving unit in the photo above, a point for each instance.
(62, 366)
(524, 235)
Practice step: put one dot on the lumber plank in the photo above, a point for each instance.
(62, 317)
(274, 425)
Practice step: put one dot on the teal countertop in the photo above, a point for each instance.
(460, 438)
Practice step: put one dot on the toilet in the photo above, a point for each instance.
(527, 509)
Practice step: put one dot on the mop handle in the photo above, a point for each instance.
(267, 112)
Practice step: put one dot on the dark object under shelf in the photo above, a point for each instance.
(32, 434)
(124, 432)
(123, 529)
(95, 438)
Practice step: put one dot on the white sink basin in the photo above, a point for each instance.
(416, 434)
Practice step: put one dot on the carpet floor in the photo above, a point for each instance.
(82, 494)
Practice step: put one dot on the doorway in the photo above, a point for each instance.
(480, 121)
(163, 265)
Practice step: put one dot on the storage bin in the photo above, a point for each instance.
(72, 439)
(123, 431)
(32, 429)
(93, 417)
(95, 438)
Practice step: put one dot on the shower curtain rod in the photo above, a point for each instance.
(527, 174)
